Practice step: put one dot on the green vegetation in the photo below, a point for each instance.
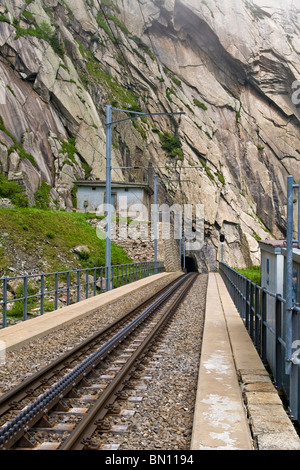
(17, 308)
(171, 144)
(40, 31)
(169, 92)
(209, 172)
(16, 147)
(102, 24)
(3, 18)
(109, 4)
(143, 46)
(290, 40)
(175, 80)
(102, 21)
(118, 95)
(220, 177)
(12, 191)
(252, 273)
(51, 235)
(118, 23)
(200, 105)
(42, 196)
(11, 90)
(69, 148)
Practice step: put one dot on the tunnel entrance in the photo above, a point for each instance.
(191, 264)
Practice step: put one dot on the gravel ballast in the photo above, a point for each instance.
(164, 418)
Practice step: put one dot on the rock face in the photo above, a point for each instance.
(231, 67)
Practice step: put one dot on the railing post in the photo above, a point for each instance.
(78, 285)
(247, 303)
(278, 347)
(56, 291)
(87, 283)
(42, 293)
(4, 310)
(263, 324)
(94, 281)
(257, 317)
(241, 289)
(294, 377)
(101, 280)
(251, 310)
(25, 298)
(68, 287)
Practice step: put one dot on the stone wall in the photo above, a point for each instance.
(141, 248)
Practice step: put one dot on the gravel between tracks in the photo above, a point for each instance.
(164, 418)
(174, 380)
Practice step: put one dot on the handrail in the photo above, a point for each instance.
(66, 287)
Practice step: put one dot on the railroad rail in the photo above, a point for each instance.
(38, 413)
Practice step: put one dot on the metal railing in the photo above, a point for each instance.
(263, 313)
(35, 294)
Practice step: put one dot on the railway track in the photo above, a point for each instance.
(41, 412)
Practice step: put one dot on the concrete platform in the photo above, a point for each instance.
(16, 336)
(237, 406)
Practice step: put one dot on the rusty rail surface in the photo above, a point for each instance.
(19, 431)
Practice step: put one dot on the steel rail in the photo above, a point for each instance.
(13, 431)
(46, 373)
(80, 438)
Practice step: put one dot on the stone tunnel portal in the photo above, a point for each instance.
(191, 264)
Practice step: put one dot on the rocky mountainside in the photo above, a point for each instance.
(231, 66)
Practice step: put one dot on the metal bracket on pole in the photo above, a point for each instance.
(109, 124)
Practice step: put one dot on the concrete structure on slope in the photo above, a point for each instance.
(127, 198)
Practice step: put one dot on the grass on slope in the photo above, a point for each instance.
(252, 273)
(50, 236)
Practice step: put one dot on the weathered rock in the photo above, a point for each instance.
(230, 66)
(6, 203)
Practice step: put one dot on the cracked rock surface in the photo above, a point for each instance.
(231, 67)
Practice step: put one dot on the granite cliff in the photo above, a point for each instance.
(231, 66)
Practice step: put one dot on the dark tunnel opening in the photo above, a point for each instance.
(191, 264)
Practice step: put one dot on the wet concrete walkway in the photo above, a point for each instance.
(237, 406)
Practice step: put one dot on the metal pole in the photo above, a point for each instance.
(294, 377)
(108, 197)
(298, 214)
(289, 276)
(109, 124)
(180, 238)
(155, 223)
